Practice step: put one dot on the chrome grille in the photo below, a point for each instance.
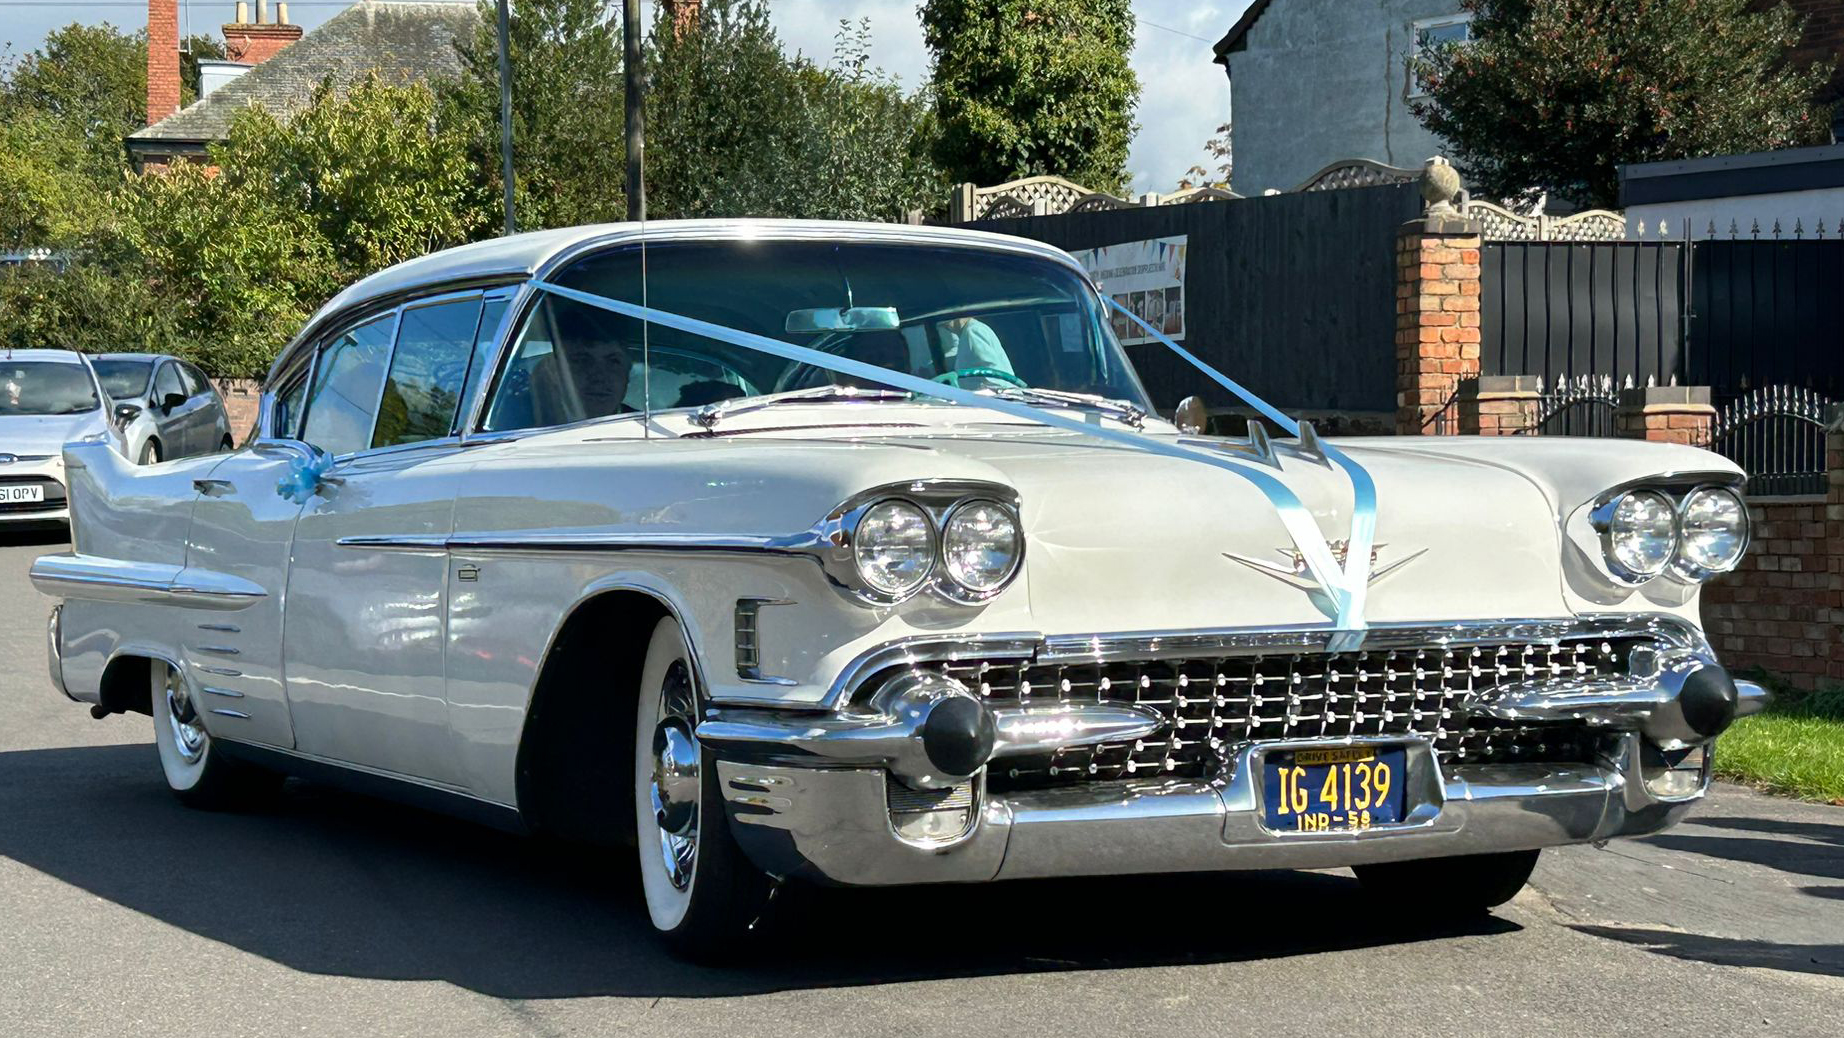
(1213, 704)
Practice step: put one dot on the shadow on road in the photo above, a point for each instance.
(49, 536)
(1807, 859)
(1823, 959)
(331, 883)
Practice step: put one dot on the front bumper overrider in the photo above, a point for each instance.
(813, 795)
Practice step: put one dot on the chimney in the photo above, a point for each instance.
(162, 59)
(252, 43)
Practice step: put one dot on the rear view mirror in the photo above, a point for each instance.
(844, 319)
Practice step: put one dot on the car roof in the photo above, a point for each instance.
(67, 356)
(520, 256)
(134, 356)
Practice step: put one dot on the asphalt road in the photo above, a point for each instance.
(126, 914)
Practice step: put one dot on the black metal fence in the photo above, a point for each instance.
(1569, 311)
(1766, 313)
(1777, 435)
(1293, 295)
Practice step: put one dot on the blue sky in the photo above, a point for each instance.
(1184, 96)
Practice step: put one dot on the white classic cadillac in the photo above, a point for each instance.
(855, 553)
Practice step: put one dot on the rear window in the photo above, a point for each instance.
(123, 379)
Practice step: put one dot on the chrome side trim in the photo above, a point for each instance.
(223, 672)
(222, 712)
(218, 650)
(227, 693)
(92, 577)
(547, 541)
(224, 628)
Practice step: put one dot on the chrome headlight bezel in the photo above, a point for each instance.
(1676, 490)
(951, 583)
(837, 538)
(1604, 523)
(929, 548)
(1687, 571)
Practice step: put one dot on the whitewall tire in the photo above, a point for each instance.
(701, 892)
(195, 773)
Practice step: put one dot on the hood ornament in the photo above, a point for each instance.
(1294, 573)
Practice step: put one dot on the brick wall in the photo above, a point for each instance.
(162, 59)
(240, 400)
(1782, 610)
(254, 44)
(1437, 320)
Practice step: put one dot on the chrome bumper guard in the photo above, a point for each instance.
(813, 795)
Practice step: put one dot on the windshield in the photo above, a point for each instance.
(977, 318)
(123, 379)
(45, 387)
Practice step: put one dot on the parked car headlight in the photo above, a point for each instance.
(894, 547)
(1640, 535)
(980, 546)
(1713, 533)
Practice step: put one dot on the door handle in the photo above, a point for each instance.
(213, 487)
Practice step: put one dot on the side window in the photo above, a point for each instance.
(346, 386)
(483, 347)
(428, 370)
(572, 362)
(166, 382)
(288, 404)
(196, 382)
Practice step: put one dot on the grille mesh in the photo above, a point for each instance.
(1213, 704)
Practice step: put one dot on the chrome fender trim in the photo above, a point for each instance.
(98, 579)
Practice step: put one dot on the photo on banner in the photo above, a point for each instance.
(1147, 278)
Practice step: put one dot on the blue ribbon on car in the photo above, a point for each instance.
(1343, 586)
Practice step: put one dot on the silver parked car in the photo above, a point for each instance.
(48, 398)
(166, 407)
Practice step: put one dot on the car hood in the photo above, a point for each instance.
(1119, 539)
(47, 434)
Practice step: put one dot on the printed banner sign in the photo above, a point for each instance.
(1147, 279)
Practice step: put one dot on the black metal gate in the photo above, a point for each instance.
(1573, 310)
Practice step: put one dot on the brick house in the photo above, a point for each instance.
(279, 67)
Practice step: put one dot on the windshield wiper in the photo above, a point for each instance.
(1120, 409)
(710, 414)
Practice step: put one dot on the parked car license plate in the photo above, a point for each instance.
(22, 492)
(1343, 788)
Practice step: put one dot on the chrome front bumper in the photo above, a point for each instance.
(833, 825)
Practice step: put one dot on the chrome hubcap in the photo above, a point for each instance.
(677, 776)
(182, 719)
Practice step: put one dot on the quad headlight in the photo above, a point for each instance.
(1712, 532)
(894, 548)
(960, 539)
(980, 546)
(1646, 533)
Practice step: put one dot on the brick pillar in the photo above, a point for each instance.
(1437, 319)
(1499, 405)
(162, 59)
(1666, 414)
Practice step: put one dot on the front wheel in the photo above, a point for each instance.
(150, 452)
(702, 893)
(194, 771)
(1453, 887)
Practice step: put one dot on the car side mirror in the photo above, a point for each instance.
(170, 401)
(1191, 416)
(125, 413)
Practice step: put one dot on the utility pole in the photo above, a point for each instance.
(634, 80)
(505, 112)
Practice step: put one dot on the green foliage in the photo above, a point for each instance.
(92, 81)
(192, 50)
(1221, 153)
(1554, 95)
(1029, 87)
(801, 140)
(568, 122)
(50, 201)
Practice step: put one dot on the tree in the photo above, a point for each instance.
(92, 81)
(836, 142)
(1027, 87)
(1219, 149)
(1554, 95)
(568, 133)
(192, 50)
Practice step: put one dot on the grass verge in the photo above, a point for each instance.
(1796, 747)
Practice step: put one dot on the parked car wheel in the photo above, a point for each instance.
(1460, 886)
(150, 452)
(197, 775)
(701, 892)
